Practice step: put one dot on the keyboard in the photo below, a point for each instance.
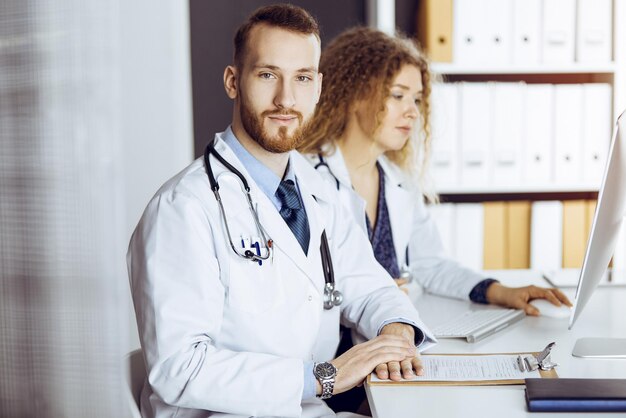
(479, 324)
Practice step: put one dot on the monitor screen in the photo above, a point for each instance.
(607, 220)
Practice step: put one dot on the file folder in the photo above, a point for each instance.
(434, 28)
(518, 235)
(469, 45)
(508, 113)
(475, 127)
(495, 232)
(575, 233)
(445, 134)
(526, 32)
(596, 135)
(559, 21)
(546, 236)
(538, 140)
(594, 31)
(576, 395)
(497, 30)
(568, 133)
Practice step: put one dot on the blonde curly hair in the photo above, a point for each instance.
(360, 64)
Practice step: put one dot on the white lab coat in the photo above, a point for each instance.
(430, 268)
(224, 334)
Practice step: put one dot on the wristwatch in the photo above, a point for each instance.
(325, 372)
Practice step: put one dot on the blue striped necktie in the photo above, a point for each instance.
(293, 213)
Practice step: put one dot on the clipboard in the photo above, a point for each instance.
(549, 374)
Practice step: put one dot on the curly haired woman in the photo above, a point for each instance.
(370, 128)
(369, 132)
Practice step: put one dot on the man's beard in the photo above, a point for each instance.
(282, 142)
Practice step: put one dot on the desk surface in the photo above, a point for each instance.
(604, 316)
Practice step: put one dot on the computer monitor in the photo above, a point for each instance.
(607, 220)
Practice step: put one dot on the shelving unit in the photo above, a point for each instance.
(612, 73)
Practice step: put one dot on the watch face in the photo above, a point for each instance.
(325, 370)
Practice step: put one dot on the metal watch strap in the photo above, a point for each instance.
(327, 388)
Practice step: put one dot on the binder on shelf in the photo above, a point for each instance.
(495, 236)
(469, 235)
(475, 131)
(596, 135)
(575, 233)
(559, 22)
(497, 30)
(518, 235)
(546, 236)
(594, 31)
(445, 134)
(434, 28)
(526, 32)
(568, 105)
(537, 139)
(444, 217)
(506, 142)
(468, 42)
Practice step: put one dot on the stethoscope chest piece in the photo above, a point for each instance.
(332, 297)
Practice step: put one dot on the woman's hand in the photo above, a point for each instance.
(519, 297)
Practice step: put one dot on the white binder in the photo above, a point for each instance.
(497, 31)
(526, 32)
(475, 128)
(445, 134)
(508, 114)
(469, 43)
(537, 141)
(568, 128)
(594, 30)
(469, 235)
(597, 125)
(546, 236)
(559, 22)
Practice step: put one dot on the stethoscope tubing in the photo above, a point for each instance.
(332, 297)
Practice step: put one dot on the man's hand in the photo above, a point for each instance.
(357, 363)
(407, 368)
(519, 297)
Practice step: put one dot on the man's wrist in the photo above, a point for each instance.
(400, 328)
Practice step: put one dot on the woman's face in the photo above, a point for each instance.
(402, 107)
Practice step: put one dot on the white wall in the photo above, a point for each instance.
(156, 117)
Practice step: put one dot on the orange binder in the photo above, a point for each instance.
(495, 236)
(518, 228)
(434, 28)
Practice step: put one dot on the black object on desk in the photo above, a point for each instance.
(576, 395)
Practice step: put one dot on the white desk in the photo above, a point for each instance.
(604, 316)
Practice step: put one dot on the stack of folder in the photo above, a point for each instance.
(518, 135)
(546, 236)
(576, 395)
(520, 32)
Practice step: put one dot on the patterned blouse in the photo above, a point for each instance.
(381, 238)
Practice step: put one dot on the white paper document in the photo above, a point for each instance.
(468, 369)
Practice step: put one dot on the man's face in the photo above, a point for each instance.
(278, 86)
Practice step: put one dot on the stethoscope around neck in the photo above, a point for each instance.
(332, 297)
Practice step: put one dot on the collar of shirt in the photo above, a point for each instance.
(265, 178)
